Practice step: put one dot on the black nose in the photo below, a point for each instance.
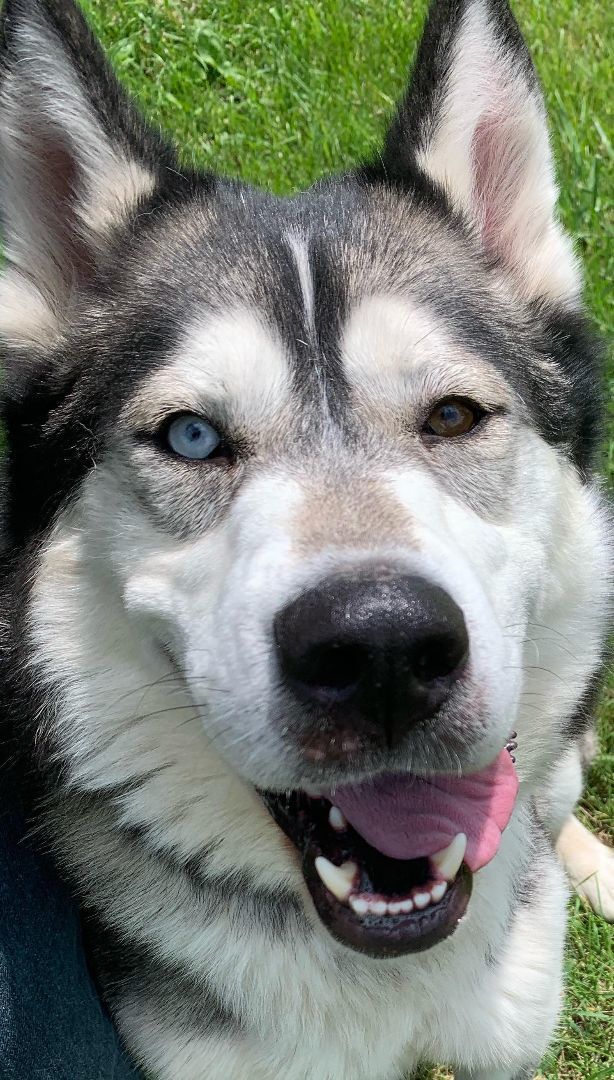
(378, 651)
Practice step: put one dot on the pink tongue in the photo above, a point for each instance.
(407, 817)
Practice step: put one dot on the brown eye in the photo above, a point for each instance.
(452, 417)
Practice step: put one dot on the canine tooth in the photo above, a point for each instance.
(337, 820)
(380, 907)
(407, 906)
(438, 891)
(338, 879)
(422, 900)
(449, 860)
(396, 907)
(361, 907)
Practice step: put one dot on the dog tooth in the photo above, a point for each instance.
(349, 871)
(338, 879)
(449, 860)
(407, 906)
(336, 819)
(395, 908)
(380, 907)
(438, 891)
(361, 907)
(422, 899)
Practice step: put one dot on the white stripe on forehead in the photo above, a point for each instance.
(299, 246)
(234, 360)
(392, 344)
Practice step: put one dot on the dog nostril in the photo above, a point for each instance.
(330, 671)
(438, 657)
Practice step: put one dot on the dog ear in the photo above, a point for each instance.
(75, 159)
(473, 120)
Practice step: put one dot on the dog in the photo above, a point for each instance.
(306, 578)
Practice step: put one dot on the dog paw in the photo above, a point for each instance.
(590, 866)
(598, 888)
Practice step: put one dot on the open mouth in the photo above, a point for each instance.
(389, 862)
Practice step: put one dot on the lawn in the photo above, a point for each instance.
(280, 92)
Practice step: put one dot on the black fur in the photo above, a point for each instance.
(583, 718)
(121, 968)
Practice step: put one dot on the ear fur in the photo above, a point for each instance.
(473, 120)
(75, 159)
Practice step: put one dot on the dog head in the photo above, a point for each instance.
(322, 462)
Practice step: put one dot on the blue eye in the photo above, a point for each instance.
(192, 437)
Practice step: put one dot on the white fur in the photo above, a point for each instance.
(299, 246)
(400, 356)
(231, 361)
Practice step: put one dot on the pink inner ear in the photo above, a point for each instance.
(497, 162)
(56, 179)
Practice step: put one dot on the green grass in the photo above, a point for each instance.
(280, 92)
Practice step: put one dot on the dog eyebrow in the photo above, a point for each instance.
(146, 413)
(228, 366)
(400, 349)
(458, 378)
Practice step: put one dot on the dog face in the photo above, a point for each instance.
(325, 458)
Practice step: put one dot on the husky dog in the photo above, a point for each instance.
(307, 566)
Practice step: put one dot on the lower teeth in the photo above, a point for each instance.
(368, 904)
(341, 881)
